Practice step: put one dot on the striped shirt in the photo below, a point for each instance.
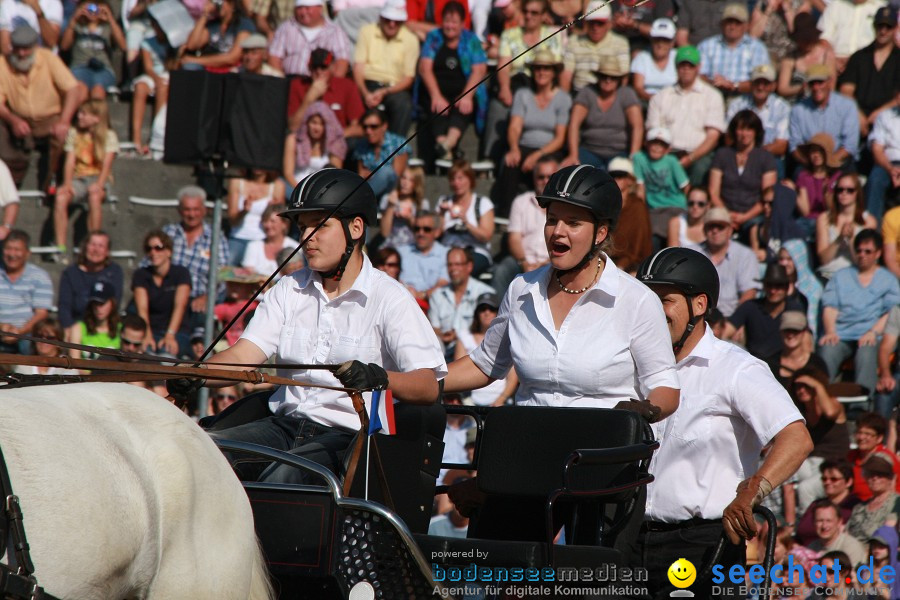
(292, 46)
(732, 63)
(775, 115)
(20, 298)
(582, 57)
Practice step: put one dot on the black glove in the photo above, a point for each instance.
(651, 412)
(183, 389)
(358, 376)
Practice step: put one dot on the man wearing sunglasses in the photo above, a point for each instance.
(424, 260)
(131, 339)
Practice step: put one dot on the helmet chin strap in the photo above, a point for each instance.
(338, 272)
(692, 323)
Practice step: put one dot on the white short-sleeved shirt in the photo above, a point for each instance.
(613, 345)
(526, 217)
(8, 192)
(655, 79)
(15, 12)
(731, 406)
(375, 321)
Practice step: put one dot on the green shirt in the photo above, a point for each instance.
(663, 179)
(100, 340)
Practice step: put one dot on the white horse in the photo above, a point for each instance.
(124, 496)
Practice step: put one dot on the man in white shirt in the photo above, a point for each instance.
(337, 310)
(731, 406)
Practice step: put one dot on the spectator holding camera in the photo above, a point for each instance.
(92, 35)
(468, 217)
(215, 41)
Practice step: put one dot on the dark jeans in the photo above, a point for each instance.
(302, 437)
(398, 107)
(695, 542)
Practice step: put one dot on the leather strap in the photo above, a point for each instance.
(360, 407)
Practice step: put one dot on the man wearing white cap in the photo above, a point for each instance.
(727, 59)
(384, 65)
(584, 52)
(654, 69)
(254, 51)
(772, 110)
(296, 38)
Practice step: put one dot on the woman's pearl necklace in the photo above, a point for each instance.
(585, 288)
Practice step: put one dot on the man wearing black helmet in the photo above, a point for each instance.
(731, 406)
(339, 309)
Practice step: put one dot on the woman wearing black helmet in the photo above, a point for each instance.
(339, 309)
(578, 331)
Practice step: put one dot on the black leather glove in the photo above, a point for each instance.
(651, 412)
(359, 376)
(183, 389)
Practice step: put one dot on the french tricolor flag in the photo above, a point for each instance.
(381, 413)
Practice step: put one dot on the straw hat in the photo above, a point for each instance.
(824, 142)
(610, 65)
(545, 57)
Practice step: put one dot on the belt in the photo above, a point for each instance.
(695, 522)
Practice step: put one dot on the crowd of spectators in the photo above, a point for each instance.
(764, 134)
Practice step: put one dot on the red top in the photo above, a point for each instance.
(342, 96)
(415, 10)
(860, 487)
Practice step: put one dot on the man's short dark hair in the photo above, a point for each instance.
(825, 504)
(20, 235)
(135, 322)
(845, 468)
(468, 251)
(454, 8)
(869, 235)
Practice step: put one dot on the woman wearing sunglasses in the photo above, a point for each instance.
(836, 228)
(161, 294)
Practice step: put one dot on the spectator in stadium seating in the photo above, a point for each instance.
(425, 259)
(778, 224)
(606, 119)
(43, 16)
(816, 179)
(100, 325)
(870, 68)
(384, 65)
(831, 535)
(809, 49)
(38, 99)
(91, 147)
(295, 39)
(215, 41)
(890, 229)
(772, 23)
(91, 36)
(9, 202)
(698, 20)
(835, 229)
(772, 110)
(634, 21)
(883, 508)
(76, 282)
(387, 259)
(161, 296)
(317, 143)
(499, 391)
(48, 329)
(796, 352)
(131, 339)
(847, 25)
(633, 233)
(401, 206)
(468, 217)
(741, 170)
(884, 142)
(337, 92)
(255, 56)
(837, 480)
(536, 128)
(828, 111)
(695, 138)
(661, 181)
(155, 56)
(856, 305)
(425, 17)
(794, 257)
(887, 387)
(584, 51)
(452, 61)
(686, 229)
(262, 255)
(871, 429)
(248, 198)
(374, 147)
(26, 292)
(735, 263)
(728, 58)
(654, 69)
(513, 42)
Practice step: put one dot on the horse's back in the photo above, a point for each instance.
(124, 496)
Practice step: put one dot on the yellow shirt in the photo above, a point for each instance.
(39, 93)
(386, 60)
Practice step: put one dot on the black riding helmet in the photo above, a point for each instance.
(590, 188)
(325, 190)
(690, 272)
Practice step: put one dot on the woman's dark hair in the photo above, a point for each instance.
(873, 421)
(374, 112)
(842, 466)
(161, 235)
(454, 8)
(382, 255)
(112, 322)
(746, 119)
(48, 327)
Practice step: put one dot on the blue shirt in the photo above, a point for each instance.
(365, 152)
(860, 307)
(422, 271)
(838, 118)
(775, 115)
(734, 64)
(20, 298)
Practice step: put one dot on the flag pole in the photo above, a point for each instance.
(368, 448)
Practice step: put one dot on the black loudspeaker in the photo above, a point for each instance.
(240, 118)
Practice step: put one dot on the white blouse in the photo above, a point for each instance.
(613, 345)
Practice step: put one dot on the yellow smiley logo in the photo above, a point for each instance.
(682, 573)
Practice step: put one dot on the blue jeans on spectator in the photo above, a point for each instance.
(383, 181)
(94, 77)
(884, 403)
(865, 361)
(236, 250)
(586, 157)
(877, 186)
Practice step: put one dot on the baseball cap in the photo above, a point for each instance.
(394, 10)
(24, 36)
(736, 11)
(688, 54)
(487, 299)
(320, 58)
(818, 73)
(885, 16)
(776, 274)
(101, 291)
(620, 164)
(254, 41)
(660, 134)
(717, 215)
(765, 71)
(598, 10)
(793, 320)
(663, 28)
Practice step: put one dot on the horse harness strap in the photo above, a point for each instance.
(20, 584)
